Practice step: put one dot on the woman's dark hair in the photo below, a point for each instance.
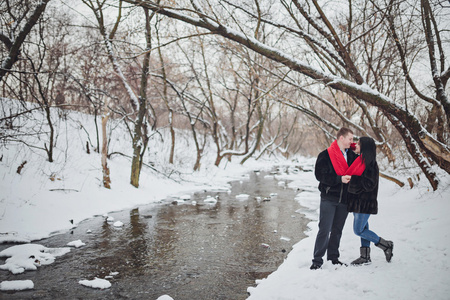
(368, 151)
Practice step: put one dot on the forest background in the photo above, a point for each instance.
(240, 78)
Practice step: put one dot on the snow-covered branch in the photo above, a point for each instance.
(14, 42)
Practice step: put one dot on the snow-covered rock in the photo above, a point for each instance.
(210, 200)
(96, 283)
(165, 297)
(16, 285)
(118, 224)
(76, 244)
(242, 196)
(29, 257)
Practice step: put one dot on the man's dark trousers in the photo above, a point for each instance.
(331, 219)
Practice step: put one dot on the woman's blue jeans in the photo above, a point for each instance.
(361, 229)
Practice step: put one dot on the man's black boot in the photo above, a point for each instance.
(337, 262)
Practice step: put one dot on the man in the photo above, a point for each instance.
(330, 171)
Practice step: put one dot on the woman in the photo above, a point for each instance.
(362, 201)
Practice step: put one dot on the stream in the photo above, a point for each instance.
(188, 250)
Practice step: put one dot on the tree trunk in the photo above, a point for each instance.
(166, 99)
(139, 138)
(197, 161)
(135, 163)
(172, 144)
(258, 135)
(106, 178)
(49, 150)
(415, 152)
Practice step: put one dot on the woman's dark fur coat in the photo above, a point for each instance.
(363, 192)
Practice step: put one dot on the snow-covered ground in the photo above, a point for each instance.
(416, 220)
(46, 198)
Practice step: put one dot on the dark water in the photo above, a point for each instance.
(201, 251)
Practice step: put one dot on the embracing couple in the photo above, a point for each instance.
(348, 183)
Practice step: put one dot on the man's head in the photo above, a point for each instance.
(344, 138)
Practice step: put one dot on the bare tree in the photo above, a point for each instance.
(18, 18)
(39, 79)
(140, 137)
(343, 69)
(138, 103)
(165, 95)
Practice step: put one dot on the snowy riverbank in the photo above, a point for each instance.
(416, 220)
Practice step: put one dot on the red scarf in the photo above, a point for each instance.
(340, 165)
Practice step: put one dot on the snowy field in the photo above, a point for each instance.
(47, 198)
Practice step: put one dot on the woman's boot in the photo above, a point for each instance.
(364, 258)
(387, 247)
